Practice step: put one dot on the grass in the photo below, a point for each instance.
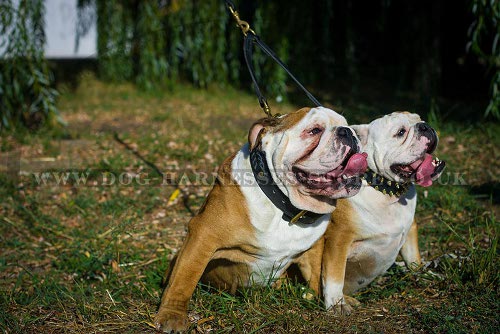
(90, 257)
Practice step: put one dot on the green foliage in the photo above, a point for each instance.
(271, 76)
(326, 44)
(196, 34)
(152, 59)
(114, 29)
(27, 97)
(485, 35)
(156, 45)
(494, 105)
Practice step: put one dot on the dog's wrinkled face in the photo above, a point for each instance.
(312, 155)
(399, 147)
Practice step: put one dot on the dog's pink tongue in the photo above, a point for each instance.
(424, 172)
(356, 164)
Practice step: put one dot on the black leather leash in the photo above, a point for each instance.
(252, 38)
(258, 161)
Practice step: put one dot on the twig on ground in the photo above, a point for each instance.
(185, 197)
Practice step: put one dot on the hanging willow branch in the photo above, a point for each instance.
(484, 33)
(156, 44)
(152, 67)
(26, 94)
(114, 30)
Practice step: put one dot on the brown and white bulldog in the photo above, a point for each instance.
(368, 231)
(272, 201)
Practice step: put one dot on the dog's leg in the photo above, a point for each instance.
(309, 265)
(337, 243)
(190, 264)
(410, 251)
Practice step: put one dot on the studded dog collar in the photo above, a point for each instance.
(387, 187)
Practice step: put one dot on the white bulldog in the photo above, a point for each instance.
(399, 147)
(271, 202)
(368, 231)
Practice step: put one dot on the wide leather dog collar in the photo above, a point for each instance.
(387, 187)
(265, 181)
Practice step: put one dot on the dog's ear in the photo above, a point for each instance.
(362, 132)
(258, 130)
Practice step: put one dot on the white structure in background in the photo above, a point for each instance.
(60, 31)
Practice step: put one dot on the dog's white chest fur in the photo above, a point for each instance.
(278, 241)
(381, 232)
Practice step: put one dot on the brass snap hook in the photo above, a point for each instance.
(243, 25)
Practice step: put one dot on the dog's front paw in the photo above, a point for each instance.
(351, 301)
(171, 322)
(341, 308)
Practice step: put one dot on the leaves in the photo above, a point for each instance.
(155, 44)
(484, 33)
(25, 80)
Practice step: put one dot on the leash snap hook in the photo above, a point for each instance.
(243, 25)
(265, 107)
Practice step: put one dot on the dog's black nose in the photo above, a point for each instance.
(346, 136)
(423, 127)
(426, 130)
(344, 132)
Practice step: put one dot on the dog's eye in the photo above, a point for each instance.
(315, 131)
(401, 132)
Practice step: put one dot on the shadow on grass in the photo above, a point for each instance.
(487, 191)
